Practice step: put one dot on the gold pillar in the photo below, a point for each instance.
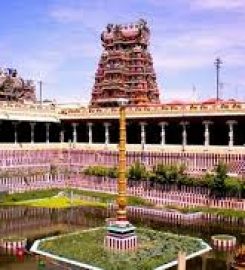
(122, 182)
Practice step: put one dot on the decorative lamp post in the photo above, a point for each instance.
(121, 234)
(122, 182)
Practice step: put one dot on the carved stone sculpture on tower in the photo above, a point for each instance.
(14, 88)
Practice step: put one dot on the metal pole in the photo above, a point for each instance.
(217, 81)
(218, 64)
(41, 92)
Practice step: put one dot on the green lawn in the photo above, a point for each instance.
(108, 197)
(28, 196)
(59, 202)
(155, 249)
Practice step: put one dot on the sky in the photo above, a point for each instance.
(58, 42)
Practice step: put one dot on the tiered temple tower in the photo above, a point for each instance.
(125, 69)
(14, 88)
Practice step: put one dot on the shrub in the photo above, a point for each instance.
(101, 171)
(233, 187)
(169, 174)
(137, 171)
(219, 183)
(113, 172)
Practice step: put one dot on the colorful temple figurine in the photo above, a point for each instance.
(125, 69)
(14, 88)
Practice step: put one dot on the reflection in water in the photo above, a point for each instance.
(37, 223)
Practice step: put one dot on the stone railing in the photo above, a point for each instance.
(31, 112)
(27, 107)
(84, 146)
(8, 110)
(34, 182)
(156, 111)
(159, 197)
(197, 160)
(111, 184)
(153, 195)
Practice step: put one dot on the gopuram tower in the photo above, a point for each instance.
(125, 68)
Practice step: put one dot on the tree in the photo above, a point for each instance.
(208, 180)
(243, 189)
(218, 185)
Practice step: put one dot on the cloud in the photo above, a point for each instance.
(218, 4)
(51, 62)
(182, 50)
(92, 19)
(183, 94)
(72, 99)
(197, 49)
(182, 42)
(177, 63)
(67, 14)
(202, 4)
(186, 37)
